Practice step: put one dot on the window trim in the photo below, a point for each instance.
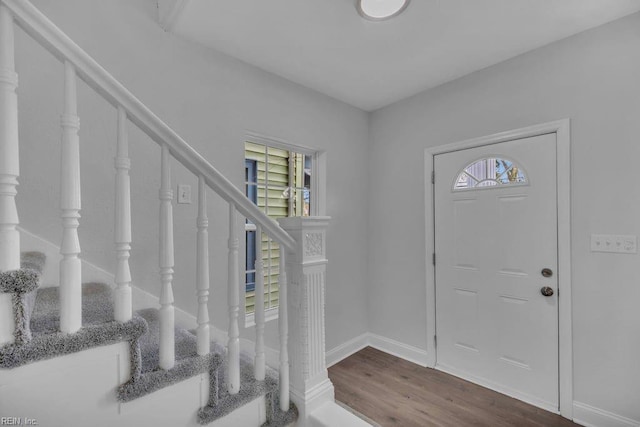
(318, 198)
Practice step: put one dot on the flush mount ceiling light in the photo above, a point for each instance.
(379, 10)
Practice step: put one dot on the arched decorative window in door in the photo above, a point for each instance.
(490, 172)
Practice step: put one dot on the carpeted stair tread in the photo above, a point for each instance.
(49, 345)
(98, 326)
(222, 403)
(151, 378)
(97, 308)
(149, 382)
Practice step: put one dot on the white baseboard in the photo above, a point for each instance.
(500, 388)
(401, 350)
(590, 416)
(346, 349)
(396, 348)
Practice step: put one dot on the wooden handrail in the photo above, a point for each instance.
(45, 32)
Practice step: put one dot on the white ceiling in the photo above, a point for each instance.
(325, 44)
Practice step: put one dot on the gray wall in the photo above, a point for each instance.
(375, 173)
(591, 78)
(211, 100)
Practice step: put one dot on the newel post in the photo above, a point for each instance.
(306, 267)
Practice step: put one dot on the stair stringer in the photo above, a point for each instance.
(80, 389)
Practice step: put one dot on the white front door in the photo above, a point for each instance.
(496, 267)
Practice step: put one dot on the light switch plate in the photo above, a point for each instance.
(622, 244)
(184, 194)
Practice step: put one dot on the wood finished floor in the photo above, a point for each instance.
(394, 392)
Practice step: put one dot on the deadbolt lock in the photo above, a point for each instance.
(547, 272)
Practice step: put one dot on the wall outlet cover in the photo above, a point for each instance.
(614, 243)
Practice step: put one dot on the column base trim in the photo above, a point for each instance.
(312, 399)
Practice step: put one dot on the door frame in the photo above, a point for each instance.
(562, 129)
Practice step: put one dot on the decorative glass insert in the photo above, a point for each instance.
(490, 172)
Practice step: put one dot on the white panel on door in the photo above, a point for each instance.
(466, 310)
(518, 311)
(466, 247)
(513, 236)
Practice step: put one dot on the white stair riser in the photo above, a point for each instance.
(80, 389)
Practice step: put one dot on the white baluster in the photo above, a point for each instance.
(122, 297)
(202, 270)
(9, 169)
(167, 311)
(259, 362)
(283, 319)
(233, 292)
(70, 265)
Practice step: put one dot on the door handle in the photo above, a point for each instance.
(546, 291)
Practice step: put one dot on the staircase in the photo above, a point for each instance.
(78, 354)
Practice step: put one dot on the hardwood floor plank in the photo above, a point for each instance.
(394, 392)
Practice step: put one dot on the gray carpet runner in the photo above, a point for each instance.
(98, 327)
(222, 403)
(38, 338)
(148, 377)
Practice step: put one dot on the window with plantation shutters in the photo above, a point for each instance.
(278, 180)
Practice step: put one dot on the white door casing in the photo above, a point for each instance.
(493, 324)
(506, 354)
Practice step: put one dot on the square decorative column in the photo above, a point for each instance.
(306, 266)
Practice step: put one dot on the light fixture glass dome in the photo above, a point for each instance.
(377, 10)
